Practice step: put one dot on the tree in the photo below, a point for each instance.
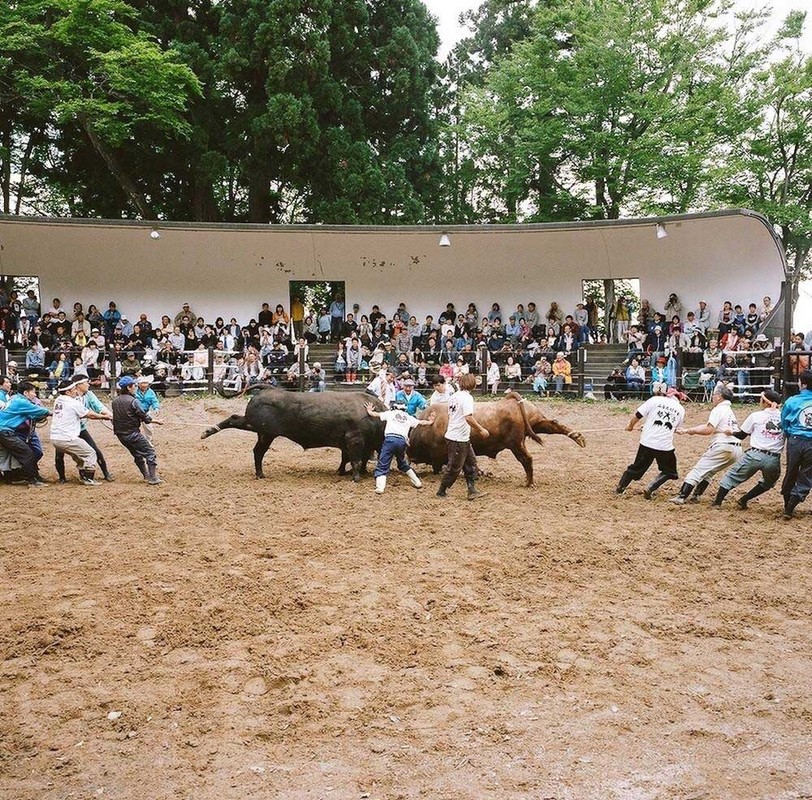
(770, 168)
(83, 65)
(609, 107)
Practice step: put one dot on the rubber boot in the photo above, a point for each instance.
(625, 480)
(412, 476)
(758, 489)
(684, 491)
(720, 496)
(473, 494)
(86, 477)
(60, 470)
(152, 472)
(105, 471)
(789, 506)
(380, 484)
(648, 492)
(142, 465)
(699, 490)
(441, 492)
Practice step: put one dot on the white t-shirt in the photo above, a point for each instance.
(441, 398)
(66, 423)
(460, 405)
(765, 430)
(662, 416)
(722, 418)
(398, 423)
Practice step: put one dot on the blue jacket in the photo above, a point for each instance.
(796, 415)
(148, 400)
(413, 403)
(19, 411)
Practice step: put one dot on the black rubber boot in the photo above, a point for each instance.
(758, 489)
(60, 470)
(86, 477)
(789, 506)
(473, 494)
(700, 489)
(142, 465)
(625, 480)
(105, 472)
(720, 496)
(684, 492)
(648, 492)
(153, 478)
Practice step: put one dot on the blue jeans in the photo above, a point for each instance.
(393, 447)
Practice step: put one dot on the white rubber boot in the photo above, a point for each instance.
(416, 482)
(380, 484)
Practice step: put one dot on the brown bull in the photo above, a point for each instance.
(509, 422)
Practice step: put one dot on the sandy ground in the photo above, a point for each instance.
(299, 637)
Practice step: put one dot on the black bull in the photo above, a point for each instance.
(311, 419)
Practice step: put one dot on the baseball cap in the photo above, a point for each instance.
(126, 381)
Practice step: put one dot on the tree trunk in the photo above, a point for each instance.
(5, 178)
(259, 193)
(609, 295)
(129, 186)
(33, 138)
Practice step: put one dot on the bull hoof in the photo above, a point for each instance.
(260, 476)
(356, 478)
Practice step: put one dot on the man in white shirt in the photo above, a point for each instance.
(662, 414)
(461, 455)
(723, 452)
(66, 426)
(442, 392)
(764, 456)
(395, 439)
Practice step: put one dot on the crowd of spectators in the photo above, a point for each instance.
(509, 346)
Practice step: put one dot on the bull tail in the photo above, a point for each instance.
(234, 421)
(528, 431)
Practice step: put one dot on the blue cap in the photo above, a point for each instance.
(126, 381)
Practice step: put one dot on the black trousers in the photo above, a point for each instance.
(646, 456)
(461, 458)
(139, 448)
(18, 447)
(798, 477)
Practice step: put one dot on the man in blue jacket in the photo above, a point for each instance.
(15, 421)
(412, 401)
(796, 420)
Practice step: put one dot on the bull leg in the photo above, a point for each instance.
(342, 467)
(554, 427)
(234, 421)
(526, 460)
(260, 448)
(354, 444)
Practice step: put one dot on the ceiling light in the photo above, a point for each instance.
(445, 241)
(154, 234)
(662, 233)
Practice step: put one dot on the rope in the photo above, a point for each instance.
(601, 430)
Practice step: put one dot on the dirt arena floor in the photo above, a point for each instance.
(299, 637)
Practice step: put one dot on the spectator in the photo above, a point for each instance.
(513, 373)
(336, 317)
(635, 377)
(324, 325)
(554, 319)
(614, 388)
(703, 316)
(673, 307)
(130, 365)
(297, 313)
(562, 373)
(622, 317)
(186, 311)
(265, 316)
(317, 378)
(725, 321)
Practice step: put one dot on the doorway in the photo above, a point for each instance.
(606, 292)
(315, 296)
